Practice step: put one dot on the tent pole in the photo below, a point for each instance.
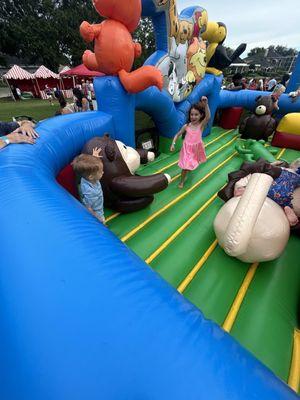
(11, 93)
(38, 88)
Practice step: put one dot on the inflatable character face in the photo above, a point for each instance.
(185, 32)
(265, 105)
(216, 32)
(196, 57)
(130, 156)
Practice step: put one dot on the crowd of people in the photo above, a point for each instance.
(262, 84)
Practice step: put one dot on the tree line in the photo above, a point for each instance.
(47, 32)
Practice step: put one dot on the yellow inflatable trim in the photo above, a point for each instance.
(290, 123)
(294, 378)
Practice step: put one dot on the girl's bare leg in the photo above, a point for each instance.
(291, 216)
(183, 178)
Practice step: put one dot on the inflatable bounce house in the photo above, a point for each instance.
(171, 299)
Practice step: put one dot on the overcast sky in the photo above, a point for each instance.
(257, 23)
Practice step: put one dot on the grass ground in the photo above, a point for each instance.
(41, 109)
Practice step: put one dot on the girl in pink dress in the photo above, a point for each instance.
(192, 152)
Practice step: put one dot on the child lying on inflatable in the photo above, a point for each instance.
(252, 225)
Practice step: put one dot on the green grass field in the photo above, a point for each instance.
(41, 109)
(36, 108)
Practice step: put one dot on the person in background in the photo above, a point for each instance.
(260, 84)
(64, 107)
(58, 93)
(285, 80)
(17, 132)
(19, 93)
(252, 84)
(49, 94)
(238, 83)
(271, 84)
(81, 102)
(244, 83)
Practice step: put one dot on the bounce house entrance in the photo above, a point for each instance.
(147, 139)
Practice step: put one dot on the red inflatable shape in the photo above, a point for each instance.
(231, 117)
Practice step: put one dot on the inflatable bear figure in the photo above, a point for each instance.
(114, 49)
(261, 124)
(123, 191)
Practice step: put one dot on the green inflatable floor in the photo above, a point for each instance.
(256, 303)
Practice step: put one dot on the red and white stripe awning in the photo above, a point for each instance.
(17, 72)
(45, 73)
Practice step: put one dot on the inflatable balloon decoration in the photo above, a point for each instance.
(114, 49)
(123, 190)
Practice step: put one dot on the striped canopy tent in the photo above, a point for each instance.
(19, 78)
(45, 76)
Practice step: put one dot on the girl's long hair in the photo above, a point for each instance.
(199, 107)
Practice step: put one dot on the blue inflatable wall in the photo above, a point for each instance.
(82, 317)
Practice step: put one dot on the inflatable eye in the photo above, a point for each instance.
(125, 147)
(205, 59)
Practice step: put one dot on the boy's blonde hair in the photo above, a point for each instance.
(86, 165)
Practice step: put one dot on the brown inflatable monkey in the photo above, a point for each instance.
(123, 191)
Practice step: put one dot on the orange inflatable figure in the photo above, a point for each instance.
(114, 49)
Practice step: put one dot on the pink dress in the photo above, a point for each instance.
(192, 152)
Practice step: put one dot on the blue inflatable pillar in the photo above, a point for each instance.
(115, 101)
(294, 82)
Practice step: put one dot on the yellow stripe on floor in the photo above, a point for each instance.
(180, 230)
(233, 312)
(294, 377)
(184, 284)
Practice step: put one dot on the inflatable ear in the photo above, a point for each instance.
(110, 152)
(127, 12)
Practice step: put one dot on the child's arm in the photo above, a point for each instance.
(178, 134)
(204, 101)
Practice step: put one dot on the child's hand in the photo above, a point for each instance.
(204, 99)
(172, 148)
(96, 152)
